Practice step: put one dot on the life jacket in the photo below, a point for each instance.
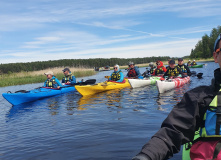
(182, 68)
(173, 72)
(151, 70)
(67, 78)
(132, 73)
(160, 68)
(159, 71)
(115, 76)
(208, 145)
(212, 118)
(194, 63)
(189, 63)
(50, 83)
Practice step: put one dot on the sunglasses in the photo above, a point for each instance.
(115, 67)
(218, 50)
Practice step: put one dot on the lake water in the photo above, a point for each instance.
(112, 125)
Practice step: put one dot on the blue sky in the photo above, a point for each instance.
(44, 30)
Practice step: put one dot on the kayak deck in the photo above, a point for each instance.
(100, 87)
(135, 83)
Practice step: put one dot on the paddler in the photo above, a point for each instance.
(68, 77)
(173, 70)
(151, 68)
(189, 63)
(150, 71)
(160, 68)
(117, 75)
(185, 69)
(168, 63)
(193, 63)
(133, 71)
(196, 110)
(52, 81)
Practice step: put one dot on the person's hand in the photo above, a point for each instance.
(68, 82)
(58, 87)
(141, 156)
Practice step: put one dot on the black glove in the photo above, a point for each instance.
(141, 156)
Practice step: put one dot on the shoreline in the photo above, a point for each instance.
(38, 76)
(21, 78)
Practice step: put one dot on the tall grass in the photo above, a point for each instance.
(38, 76)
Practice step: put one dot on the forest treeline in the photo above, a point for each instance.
(85, 63)
(204, 48)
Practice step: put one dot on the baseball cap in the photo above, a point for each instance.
(66, 69)
(49, 72)
(180, 59)
(171, 62)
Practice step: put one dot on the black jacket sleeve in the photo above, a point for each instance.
(188, 70)
(166, 73)
(180, 125)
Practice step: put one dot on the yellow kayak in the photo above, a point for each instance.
(101, 87)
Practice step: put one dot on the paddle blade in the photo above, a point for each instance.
(90, 81)
(107, 77)
(199, 75)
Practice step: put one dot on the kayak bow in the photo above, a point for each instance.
(169, 84)
(22, 97)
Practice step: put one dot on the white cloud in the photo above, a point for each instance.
(171, 48)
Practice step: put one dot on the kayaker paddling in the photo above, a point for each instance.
(52, 81)
(198, 109)
(68, 77)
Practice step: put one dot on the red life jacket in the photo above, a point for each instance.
(132, 73)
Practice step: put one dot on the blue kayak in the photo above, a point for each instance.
(23, 96)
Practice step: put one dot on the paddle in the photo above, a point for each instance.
(199, 75)
(87, 82)
(107, 77)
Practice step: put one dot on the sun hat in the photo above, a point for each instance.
(49, 72)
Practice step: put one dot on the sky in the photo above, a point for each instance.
(42, 30)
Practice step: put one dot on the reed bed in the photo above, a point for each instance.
(38, 76)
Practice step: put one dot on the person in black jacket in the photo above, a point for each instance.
(185, 118)
(173, 70)
(185, 69)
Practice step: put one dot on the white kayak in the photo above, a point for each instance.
(169, 84)
(135, 83)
